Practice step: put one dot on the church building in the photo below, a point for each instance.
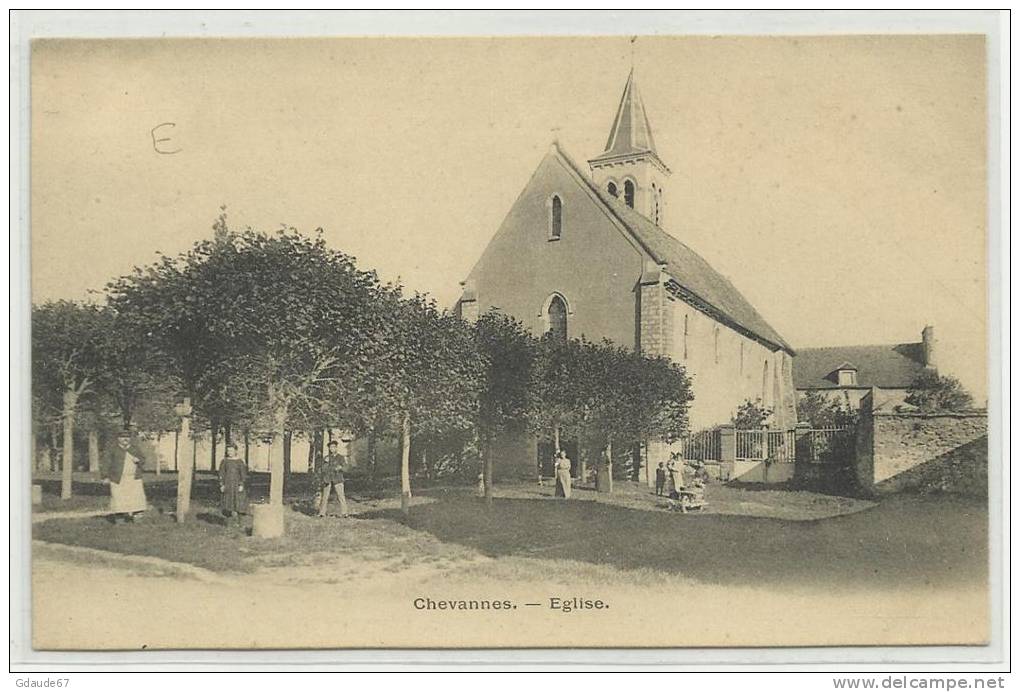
(585, 252)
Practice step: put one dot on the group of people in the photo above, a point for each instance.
(122, 471)
(678, 477)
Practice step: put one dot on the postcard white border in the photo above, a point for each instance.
(27, 25)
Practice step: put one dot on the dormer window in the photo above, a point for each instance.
(846, 375)
(628, 193)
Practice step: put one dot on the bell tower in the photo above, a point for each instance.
(629, 168)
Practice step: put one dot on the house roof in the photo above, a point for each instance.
(630, 134)
(891, 366)
(688, 268)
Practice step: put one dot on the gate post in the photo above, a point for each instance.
(801, 442)
(727, 451)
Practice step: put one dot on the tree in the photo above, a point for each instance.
(260, 326)
(66, 364)
(821, 411)
(634, 398)
(930, 391)
(506, 395)
(427, 373)
(752, 415)
(559, 396)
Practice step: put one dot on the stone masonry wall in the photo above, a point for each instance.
(944, 452)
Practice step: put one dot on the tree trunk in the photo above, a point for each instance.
(214, 429)
(582, 462)
(276, 469)
(54, 447)
(405, 465)
(487, 471)
(247, 451)
(287, 437)
(226, 432)
(185, 461)
(556, 439)
(425, 461)
(67, 464)
(371, 454)
(93, 452)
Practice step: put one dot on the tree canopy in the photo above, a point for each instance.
(931, 391)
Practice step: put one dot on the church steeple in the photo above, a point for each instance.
(630, 166)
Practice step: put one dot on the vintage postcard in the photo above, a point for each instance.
(509, 342)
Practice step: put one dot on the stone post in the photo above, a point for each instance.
(801, 445)
(93, 452)
(185, 465)
(727, 451)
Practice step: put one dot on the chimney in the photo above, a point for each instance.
(928, 344)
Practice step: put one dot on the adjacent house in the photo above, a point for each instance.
(848, 373)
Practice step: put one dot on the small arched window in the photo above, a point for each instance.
(657, 200)
(556, 318)
(611, 189)
(556, 217)
(628, 193)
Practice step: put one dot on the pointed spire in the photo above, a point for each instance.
(631, 133)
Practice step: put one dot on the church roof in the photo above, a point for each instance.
(689, 269)
(891, 366)
(630, 134)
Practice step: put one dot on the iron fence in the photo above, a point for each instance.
(704, 445)
(828, 445)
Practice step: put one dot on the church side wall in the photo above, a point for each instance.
(727, 368)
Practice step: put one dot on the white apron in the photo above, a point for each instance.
(129, 494)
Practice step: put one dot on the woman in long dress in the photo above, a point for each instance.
(123, 472)
(562, 475)
(233, 484)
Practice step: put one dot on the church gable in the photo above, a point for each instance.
(559, 240)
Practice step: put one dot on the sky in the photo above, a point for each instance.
(839, 182)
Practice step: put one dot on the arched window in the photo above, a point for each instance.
(628, 193)
(657, 201)
(556, 217)
(556, 318)
(611, 188)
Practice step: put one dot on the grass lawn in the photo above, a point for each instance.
(747, 536)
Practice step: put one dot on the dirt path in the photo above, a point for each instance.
(107, 603)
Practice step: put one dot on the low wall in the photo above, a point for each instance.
(756, 472)
(933, 452)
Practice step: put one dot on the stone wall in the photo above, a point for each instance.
(933, 452)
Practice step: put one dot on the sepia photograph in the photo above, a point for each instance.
(509, 342)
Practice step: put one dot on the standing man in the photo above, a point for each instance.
(331, 477)
(122, 470)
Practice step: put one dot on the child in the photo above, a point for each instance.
(660, 479)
